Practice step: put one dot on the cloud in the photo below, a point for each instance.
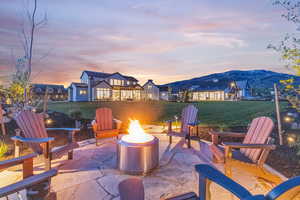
(215, 39)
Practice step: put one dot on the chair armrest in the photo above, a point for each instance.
(193, 124)
(283, 187)
(64, 129)
(118, 123)
(227, 134)
(32, 140)
(16, 161)
(235, 145)
(27, 182)
(212, 174)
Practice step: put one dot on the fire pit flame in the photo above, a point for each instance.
(137, 133)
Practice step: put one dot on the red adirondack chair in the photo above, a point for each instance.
(188, 122)
(104, 125)
(255, 146)
(33, 132)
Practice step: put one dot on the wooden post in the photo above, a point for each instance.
(278, 114)
(45, 103)
(2, 121)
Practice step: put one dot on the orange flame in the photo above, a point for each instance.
(136, 133)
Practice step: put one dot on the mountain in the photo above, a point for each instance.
(256, 79)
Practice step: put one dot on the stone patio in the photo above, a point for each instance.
(93, 174)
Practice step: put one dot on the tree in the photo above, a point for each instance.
(24, 65)
(289, 48)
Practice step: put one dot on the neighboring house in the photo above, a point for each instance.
(105, 86)
(220, 90)
(54, 92)
(150, 91)
(164, 93)
(78, 92)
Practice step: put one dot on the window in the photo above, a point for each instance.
(149, 86)
(128, 82)
(116, 82)
(82, 92)
(102, 93)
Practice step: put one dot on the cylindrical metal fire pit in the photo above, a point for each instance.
(138, 158)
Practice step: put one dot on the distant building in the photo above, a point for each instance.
(96, 86)
(220, 90)
(150, 91)
(54, 92)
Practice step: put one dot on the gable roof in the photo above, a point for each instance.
(106, 75)
(163, 88)
(41, 88)
(99, 82)
(79, 84)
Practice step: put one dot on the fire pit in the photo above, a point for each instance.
(138, 151)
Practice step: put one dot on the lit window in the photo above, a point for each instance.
(82, 92)
(149, 86)
(103, 93)
(128, 82)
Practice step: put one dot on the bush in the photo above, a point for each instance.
(3, 149)
(77, 115)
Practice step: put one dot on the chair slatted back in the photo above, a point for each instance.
(32, 126)
(104, 119)
(189, 115)
(258, 133)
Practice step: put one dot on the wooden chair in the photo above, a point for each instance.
(188, 123)
(37, 186)
(104, 125)
(34, 133)
(255, 146)
(289, 189)
(131, 189)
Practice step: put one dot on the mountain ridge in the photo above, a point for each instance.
(258, 78)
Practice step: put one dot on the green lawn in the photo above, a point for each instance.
(210, 113)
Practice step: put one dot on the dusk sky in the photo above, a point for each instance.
(163, 40)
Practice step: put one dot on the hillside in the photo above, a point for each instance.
(256, 78)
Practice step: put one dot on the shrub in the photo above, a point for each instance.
(3, 149)
(77, 115)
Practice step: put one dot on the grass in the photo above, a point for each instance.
(222, 114)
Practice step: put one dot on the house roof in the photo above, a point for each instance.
(163, 88)
(95, 83)
(79, 84)
(106, 75)
(41, 88)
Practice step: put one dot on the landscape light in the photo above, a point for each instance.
(290, 139)
(288, 119)
(49, 121)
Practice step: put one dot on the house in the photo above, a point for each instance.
(54, 92)
(164, 93)
(150, 91)
(220, 90)
(95, 86)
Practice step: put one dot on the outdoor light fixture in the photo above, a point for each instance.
(49, 121)
(288, 119)
(291, 139)
(232, 84)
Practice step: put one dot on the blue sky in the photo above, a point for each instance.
(163, 40)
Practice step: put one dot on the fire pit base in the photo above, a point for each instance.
(138, 158)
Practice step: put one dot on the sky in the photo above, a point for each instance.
(163, 40)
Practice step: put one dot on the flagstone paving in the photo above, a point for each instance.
(93, 174)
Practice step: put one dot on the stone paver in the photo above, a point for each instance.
(93, 174)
